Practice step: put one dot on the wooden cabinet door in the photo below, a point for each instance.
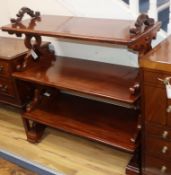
(155, 104)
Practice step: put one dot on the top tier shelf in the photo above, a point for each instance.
(81, 28)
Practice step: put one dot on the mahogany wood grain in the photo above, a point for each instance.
(11, 48)
(6, 87)
(91, 29)
(158, 148)
(156, 115)
(155, 105)
(154, 166)
(99, 121)
(158, 131)
(12, 52)
(4, 69)
(159, 58)
(89, 77)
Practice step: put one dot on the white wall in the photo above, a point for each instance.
(88, 8)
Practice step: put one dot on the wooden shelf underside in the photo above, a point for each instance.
(106, 123)
(111, 82)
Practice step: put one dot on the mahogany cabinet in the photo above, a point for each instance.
(12, 52)
(98, 101)
(156, 73)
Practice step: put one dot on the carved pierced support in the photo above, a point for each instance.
(22, 12)
(143, 45)
(34, 130)
(36, 99)
(33, 52)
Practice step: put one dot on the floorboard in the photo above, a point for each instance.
(65, 153)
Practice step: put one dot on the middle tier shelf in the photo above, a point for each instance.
(106, 123)
(103, 80)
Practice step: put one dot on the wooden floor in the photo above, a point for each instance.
(65, 153)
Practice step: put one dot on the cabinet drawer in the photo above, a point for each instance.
(4, 69)
(153, 78)
(155, 166)
(6, 87)
(159, 132)
(158, 148)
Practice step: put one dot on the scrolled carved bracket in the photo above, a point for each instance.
(33, 50)
(22, 12)
(143, 21)
(142, 45)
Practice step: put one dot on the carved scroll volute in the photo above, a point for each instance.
(143, 43)
(22, 12)
(142, 22)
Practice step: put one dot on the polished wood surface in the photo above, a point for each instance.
(92, 29)
(99, 121)
(88, 77)
(156, 66)
(12, 53)
(155, 110)
(161, 147)
(116, 83)
(11, 48)
(158, 131)
(159, 58)
(154, 166)
(59, 151)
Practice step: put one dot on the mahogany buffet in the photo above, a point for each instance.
(98, 101)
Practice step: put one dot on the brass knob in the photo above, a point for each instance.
(165, 134)
(164, 149)
(163, 169)
(168, 109)
(4, 88)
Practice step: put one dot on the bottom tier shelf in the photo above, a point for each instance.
(106, 123)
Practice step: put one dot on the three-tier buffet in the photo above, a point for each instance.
(95, 100)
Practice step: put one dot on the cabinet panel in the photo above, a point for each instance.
(4, 69)
(161, 132)
(155, 104)
(6, 87)
(157, 147)
(155, 166)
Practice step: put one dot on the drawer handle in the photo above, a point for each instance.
(164, 150)
(165, 80)
(165, 134)
(168, 109)
(163, 169)
(4, 88)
